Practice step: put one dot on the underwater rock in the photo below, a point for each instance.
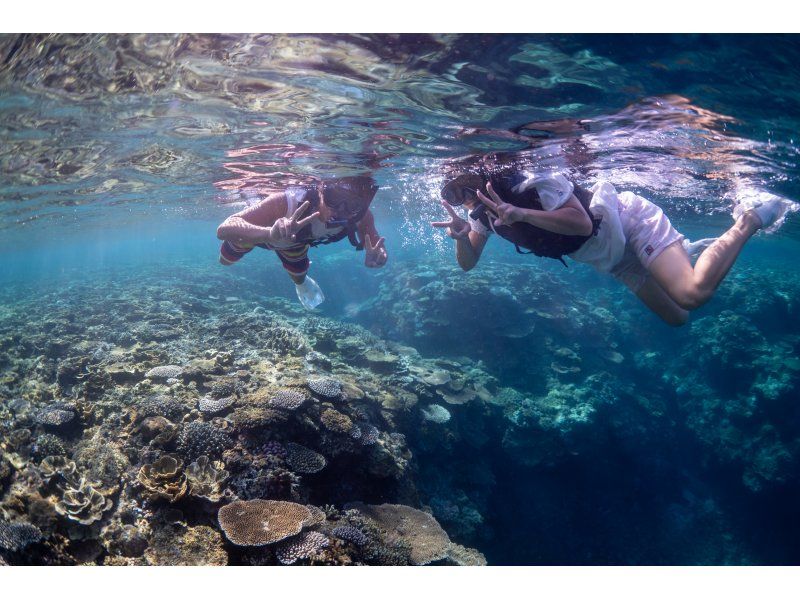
(206, 478)
(381, 362)
(164, 372)
(177, 545)
(157, 430)
(83, 503)
(164, 479)
(261, 522)
(302, 546)
(124, 540)
(17, 536)
(303, 460)
(288, 399)
(202, 438)
(436, 414)
(210, 405)
(428, 541)
(329, 388)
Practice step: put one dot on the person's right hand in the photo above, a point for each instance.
(457, 227)
(286, 228)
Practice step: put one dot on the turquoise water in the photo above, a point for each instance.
(538, 413)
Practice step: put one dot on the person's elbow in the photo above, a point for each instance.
(583, 225)
(223, 231)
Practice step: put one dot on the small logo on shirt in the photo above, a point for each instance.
(649, 250)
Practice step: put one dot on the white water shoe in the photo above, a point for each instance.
(769, 208)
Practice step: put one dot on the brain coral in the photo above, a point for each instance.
(260, 522)
(428, 541)
(288, 399)
(202, 438)
(304, 460)
(301, 547)
(16, 536)
(330, 388)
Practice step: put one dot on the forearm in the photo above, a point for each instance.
(366, 226)
(468, 250)
(237, 230)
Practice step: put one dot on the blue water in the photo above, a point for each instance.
(604, 436)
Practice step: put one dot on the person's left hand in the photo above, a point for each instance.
(376, 255)
(504, 212)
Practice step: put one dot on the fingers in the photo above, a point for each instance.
(494, 194)
(449, 209)
(368, 242)
(487, 202)
(299, 211)
(307, 219)
(379, 244)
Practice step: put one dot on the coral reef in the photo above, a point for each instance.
(199, 439)
(303, 460)
(288, 399)
(401, 523)
(261, 522)
(83, 503)
(164, 479)
(273, 406)
(17, 536)
(303, 546)
(206, 479)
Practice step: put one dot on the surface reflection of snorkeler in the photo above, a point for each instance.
(620, 233)
(292, 221)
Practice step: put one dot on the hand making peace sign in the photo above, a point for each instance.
(505, 213)
(457, 227)
(286, 228)
(376, 255)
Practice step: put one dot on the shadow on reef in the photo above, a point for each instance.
(162, 423)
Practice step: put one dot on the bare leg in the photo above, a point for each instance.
(657, 300)
(692, 287)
